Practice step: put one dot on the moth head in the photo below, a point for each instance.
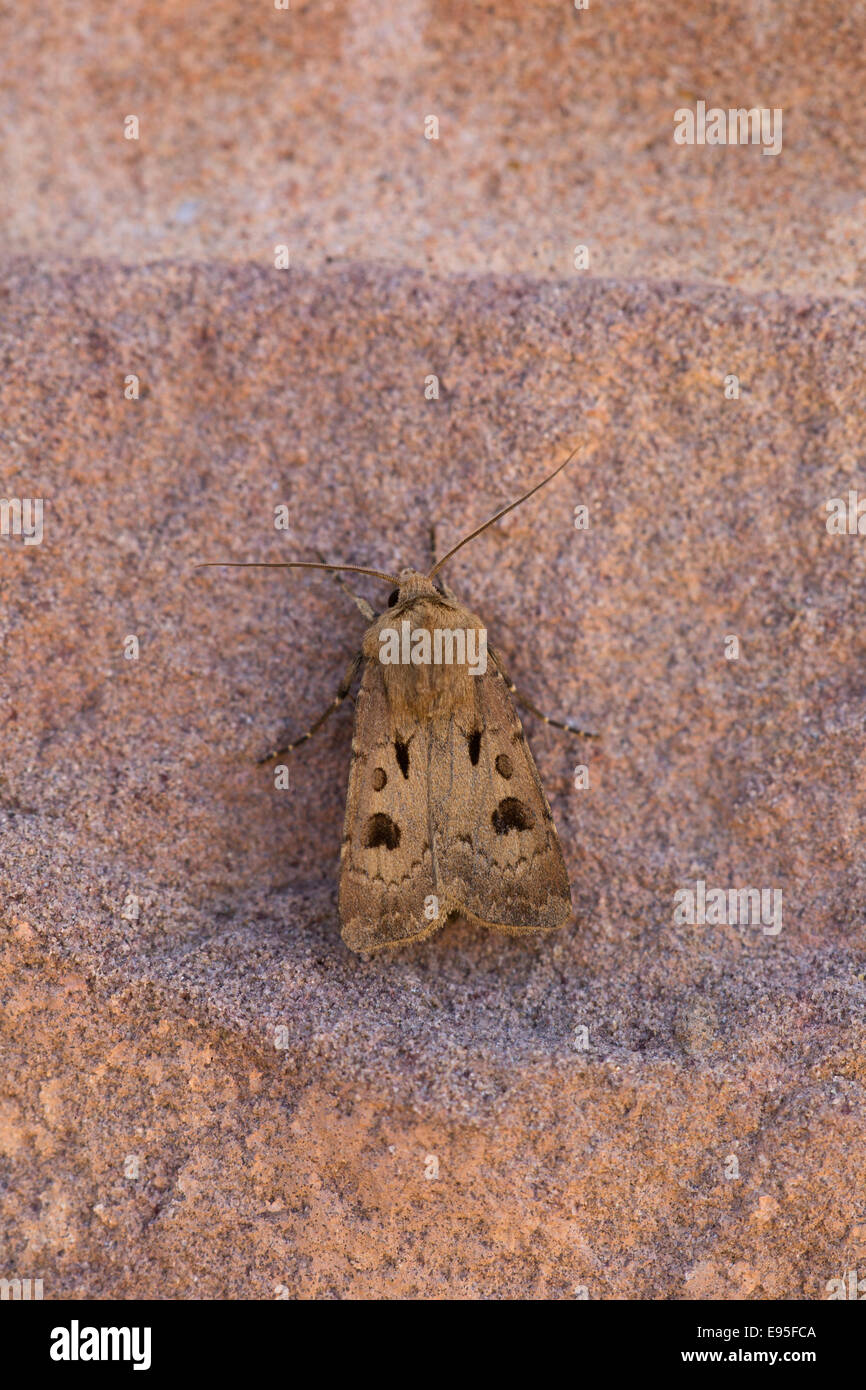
(412, 584)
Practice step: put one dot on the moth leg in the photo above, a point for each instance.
(533, 709)
(344, 688)
(356, 598)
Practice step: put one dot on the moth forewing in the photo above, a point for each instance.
(386, 867)
(445, 812)
(510, 874)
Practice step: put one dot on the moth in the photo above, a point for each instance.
(445, 812)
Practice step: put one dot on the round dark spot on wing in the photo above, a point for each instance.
(382, 832)
(504, 765)
(512, 814)
(379, 779)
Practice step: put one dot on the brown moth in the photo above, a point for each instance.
(445, 812)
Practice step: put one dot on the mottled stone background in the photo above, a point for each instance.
(176, 1000)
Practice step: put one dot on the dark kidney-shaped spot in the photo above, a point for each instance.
(381, 830)
(474, 741)
(504, 765)
(379, 779)
(401, 750)
(511, 814)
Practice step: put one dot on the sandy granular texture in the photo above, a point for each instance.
(204, 1094)
(305, 127)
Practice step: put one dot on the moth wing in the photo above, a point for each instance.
(386, 872)
(498, 855)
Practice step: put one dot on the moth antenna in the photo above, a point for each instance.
(294, 565)
(510, 508)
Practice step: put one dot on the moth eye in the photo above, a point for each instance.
(382, 831)
(511, 814)
(380, 778)
(474, 740)
(401, 750)
(504, 765)
(393, 597)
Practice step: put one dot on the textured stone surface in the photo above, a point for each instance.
(203, 1093)
(153, 1039)
(306, 127)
